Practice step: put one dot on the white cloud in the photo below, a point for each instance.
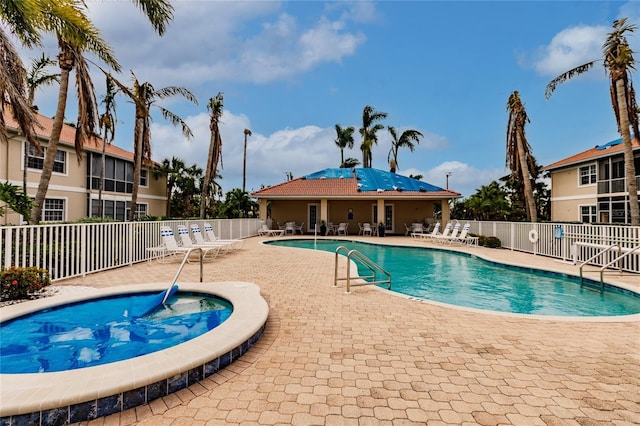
(571, 47)
(463, 178)
(299, 151)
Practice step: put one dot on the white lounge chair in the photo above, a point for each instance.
(434, 233)
(200, 241)
(463, 238)
(171, 244)
(211, 236)
(264, 231)
(210, 250)
(445, 238)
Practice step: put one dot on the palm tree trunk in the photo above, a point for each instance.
(137, 164)
(52, 147)
(101, 182)
(244, 164)
(629, 168)
(204, 191)
(532, 212)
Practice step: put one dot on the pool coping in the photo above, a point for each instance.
(64, 393)
(609, 282)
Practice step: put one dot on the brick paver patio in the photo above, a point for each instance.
(371, 358)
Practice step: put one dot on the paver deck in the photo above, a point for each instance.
(371, 358)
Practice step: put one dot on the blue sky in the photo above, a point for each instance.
(290, 71)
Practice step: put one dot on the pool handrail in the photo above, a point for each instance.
(606, 249)
(365, 261)
(627, 252)
(187, 253)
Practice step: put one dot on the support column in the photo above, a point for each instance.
(380, 208)
(324, 210)
(263, 209)
(446, 212)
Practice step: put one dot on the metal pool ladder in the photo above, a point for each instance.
(373, 267)
(600, 253)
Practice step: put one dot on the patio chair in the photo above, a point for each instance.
(171, 244)
(330, 228)
(200, 241)
(290, 228)
(211, 236)
(342, 229)
(210, 250)
(299, 229)
(408, 230)
(433, 234)
(445, 238)
(366, 229)
(463, 238)
(264, 231)
(445, 232)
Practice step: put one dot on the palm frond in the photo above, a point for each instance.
(176, 120)
(174, 90)
(159, 12)
(551, 87)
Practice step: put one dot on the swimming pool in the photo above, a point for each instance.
(105, 330)
(467, 280)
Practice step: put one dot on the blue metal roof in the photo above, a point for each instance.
(374, 179)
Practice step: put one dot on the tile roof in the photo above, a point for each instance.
(599, 151)
(359, 183)
(67, 136)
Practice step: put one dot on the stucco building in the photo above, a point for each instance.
(591, 187)
(352, 196)
(73, 188)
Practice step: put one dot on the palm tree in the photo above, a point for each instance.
(172, 169)
(144, 96)
(489, 202)
(237, 204)
(344, 139)
(247, 133)
(37, 76)
(519, 158)
(369, 131)
(350, 163)
(619, 62)
(215, 106)
(78, 35)
(106, 122)
(406, 139)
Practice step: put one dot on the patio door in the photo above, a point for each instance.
(388, 217)
(313, 216)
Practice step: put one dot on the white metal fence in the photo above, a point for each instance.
(68, 250)
(559, 240)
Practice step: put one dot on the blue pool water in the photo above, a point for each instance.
(105, 330)
(466, 280)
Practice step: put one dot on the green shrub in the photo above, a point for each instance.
(20, 283)
(491, 242)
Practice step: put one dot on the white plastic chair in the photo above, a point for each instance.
(211, 236)
(366, 229)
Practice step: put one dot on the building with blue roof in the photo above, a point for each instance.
(352, 196)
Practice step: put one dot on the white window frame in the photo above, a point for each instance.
(144, 174)
(26, 148)
(374, 212)
(63, 210)
(592, 176)
(593, 213)
(145, 211)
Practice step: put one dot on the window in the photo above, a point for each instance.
(118, 174)
(143, 177)
(588, 214)
(53, 210)
(588, 175)
(35, 160)
(141, 211)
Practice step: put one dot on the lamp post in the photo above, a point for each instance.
(247, 132)
(447, 176)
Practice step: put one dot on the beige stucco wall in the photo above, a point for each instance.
(70, 186)
(567, 196)
(405, 211)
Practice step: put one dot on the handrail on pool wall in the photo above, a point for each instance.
(186, 257)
